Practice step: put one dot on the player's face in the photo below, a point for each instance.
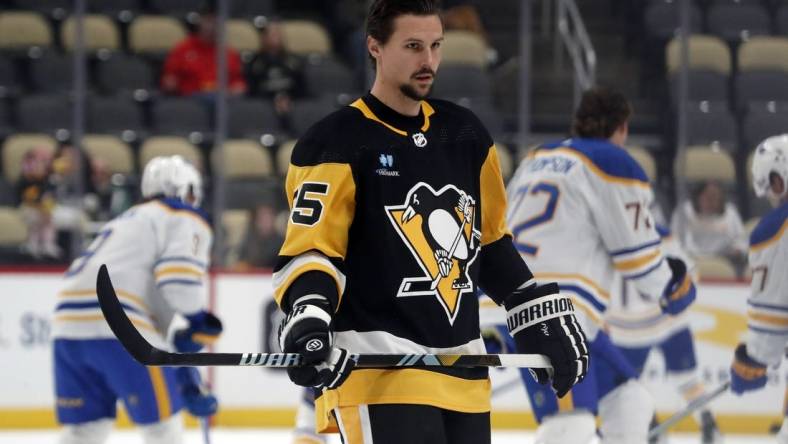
(410, 59)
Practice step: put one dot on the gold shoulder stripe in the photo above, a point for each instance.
(361, 106)
(493, 197)
(428, 110)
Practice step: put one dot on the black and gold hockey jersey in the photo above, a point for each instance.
(398, 220)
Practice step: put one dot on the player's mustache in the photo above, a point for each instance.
(424, 71)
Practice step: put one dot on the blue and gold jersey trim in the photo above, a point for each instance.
(770, 229)
(767, 318)
(175, 206)
(178, 270)
(609, 162)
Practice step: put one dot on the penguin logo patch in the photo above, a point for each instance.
(439, 229)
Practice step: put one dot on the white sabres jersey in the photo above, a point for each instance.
(579, 213)
(634, 320)
(157, 255)
(768, 304)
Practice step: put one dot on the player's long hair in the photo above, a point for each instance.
(601, 111)
(380, 19)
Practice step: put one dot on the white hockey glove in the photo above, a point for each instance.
(307, 330)
(543, 321)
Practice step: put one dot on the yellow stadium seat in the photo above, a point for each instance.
(13, 230)
(242, 35)
(235, 224)
(15, 147)
(701, 163)
(168, 146)
(706, 52)
(112, 150)
(244, 159)
(464, 48)
(155, 34)
(283, 156)
(305, 37)
(764, 53)
(21, 30)
(100, 33)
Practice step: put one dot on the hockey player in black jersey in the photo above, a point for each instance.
(398, 215)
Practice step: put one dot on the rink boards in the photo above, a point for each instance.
(260, 397)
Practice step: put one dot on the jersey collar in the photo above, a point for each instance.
(375, 110)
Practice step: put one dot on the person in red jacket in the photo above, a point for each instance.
(190, 67)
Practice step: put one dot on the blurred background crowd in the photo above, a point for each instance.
(88, 96)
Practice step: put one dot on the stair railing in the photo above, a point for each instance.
(578, 44)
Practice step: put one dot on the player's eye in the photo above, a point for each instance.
(413, 45)
(436, 45)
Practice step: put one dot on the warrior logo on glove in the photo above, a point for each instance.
(440, 230)
(314, 345)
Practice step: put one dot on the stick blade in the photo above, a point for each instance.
(120, 324)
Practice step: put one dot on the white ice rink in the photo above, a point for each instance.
(274, 436)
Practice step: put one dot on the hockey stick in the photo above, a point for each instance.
(693, 405)
(145, 353)
(205, 427)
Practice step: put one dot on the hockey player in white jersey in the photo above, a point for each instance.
(579, 213)
(637, 324)
(157, 253)
(767, 333)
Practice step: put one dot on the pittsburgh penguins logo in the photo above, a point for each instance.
(439, 228)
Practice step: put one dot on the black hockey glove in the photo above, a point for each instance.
(543, 321)
(307, 330)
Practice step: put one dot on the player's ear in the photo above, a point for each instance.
(776, 183)
(373, 46)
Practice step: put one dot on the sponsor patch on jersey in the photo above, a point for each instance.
(440, 228)
(387, 163)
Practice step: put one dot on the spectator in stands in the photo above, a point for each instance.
(709, 225)
(263, 239)
(190, 67)
(274, 72)
(112, 194)
(36, 199)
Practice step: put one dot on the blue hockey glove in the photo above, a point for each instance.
(680, 291)
(197, 399)
(204, 329)
(746, 373)
(307, 330)
(542, 321)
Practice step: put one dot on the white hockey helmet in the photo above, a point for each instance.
(771, 156)
(172, 176)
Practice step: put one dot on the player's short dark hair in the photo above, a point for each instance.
(380, 19)
(602, 110)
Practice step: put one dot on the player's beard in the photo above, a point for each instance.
(410, 91)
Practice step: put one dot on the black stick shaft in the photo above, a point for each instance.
(147, 354)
